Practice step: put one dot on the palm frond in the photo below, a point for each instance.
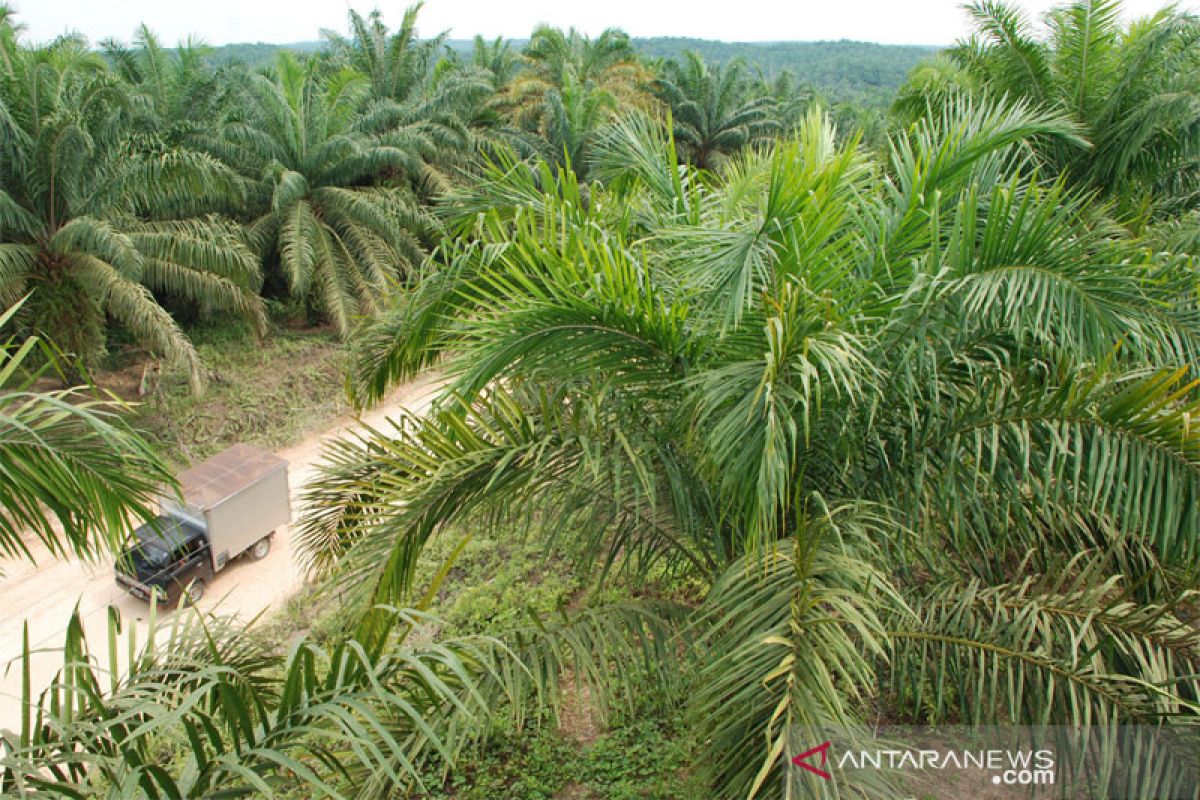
(75, 477)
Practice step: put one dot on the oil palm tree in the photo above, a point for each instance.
(931, 84)
(609, 62)
(397, 64)
(570, 85)
(174, 91)
(792, 98)
(498, 57)
(902, 419)
(573, 115)
(487, 115)
(335, 720)
(1131, 88)
(410, 92)
(713, 112)
(10, 31)
(94, 217)
(314, 151)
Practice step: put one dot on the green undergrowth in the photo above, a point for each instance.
(640, 752)
(271, 393)
(496, 581)
(634, 759)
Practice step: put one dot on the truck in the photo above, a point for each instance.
(228, 506)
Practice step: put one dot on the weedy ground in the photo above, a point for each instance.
(270, 393)
(640, 751)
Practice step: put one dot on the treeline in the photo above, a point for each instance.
(146, 186)
(846, 71)
(856, 72)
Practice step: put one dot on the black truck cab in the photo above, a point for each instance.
(168, 559)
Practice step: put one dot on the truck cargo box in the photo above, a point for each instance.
(239, 496)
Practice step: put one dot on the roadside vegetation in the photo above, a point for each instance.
(271, 395)
(763, 418)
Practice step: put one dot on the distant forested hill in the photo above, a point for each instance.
(859, 72)
(845, 70)
(259, 53)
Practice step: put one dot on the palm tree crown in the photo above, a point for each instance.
(571, 87)
(1131, 89)
(93, 215)
(712, 109)
(890, 412)
(313, 150)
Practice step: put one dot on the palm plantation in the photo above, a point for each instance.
(95, 217)
(836, 427)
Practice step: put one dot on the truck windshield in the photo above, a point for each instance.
(155, 556)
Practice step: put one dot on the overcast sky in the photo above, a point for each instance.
(281, 21)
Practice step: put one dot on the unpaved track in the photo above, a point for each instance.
(46, 593)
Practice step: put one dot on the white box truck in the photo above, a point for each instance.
(232, 504)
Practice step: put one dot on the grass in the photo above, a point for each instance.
(271, 393)
(643, 759)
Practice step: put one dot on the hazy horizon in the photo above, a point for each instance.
(525, 38)
(930, 23)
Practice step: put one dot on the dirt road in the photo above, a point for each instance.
(45, 594)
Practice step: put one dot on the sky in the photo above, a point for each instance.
(281, 21)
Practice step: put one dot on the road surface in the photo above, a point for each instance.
(45, 593)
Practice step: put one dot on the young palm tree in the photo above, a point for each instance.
(573, 115)
(712, 109)
(336, 720)
(922, 427)
(94, 217)
(1131, 89)
(410, 93)
(791, 97)
(396, 64)
(10, 32)
(608, 62)
(498, 57)
(494, 64)
(340, 241)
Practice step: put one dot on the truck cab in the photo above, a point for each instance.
(167, 559)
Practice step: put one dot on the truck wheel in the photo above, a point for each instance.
(260, 549)
(192, 594)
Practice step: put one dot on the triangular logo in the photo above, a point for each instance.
(802, 762)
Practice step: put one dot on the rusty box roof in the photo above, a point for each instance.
(208, 483)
